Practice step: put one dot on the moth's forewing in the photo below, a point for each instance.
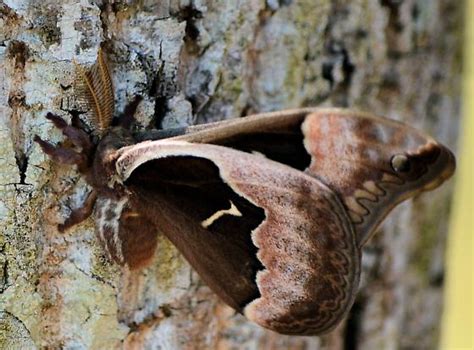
(372, 163)
(275, 135)
(354, 153)
(270, 240)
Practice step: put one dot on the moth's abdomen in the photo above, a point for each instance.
(127, 237)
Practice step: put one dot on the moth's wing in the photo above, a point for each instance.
(271, 241)
(277, 135)
(372, 163)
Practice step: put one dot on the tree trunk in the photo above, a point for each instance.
(194, 62)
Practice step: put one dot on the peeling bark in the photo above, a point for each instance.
(194, 62)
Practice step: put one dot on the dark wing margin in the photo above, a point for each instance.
(271, 241)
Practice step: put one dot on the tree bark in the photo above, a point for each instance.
(194, 62)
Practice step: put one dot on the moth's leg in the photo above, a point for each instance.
(60, 154)
(65, 155)
(77, 136)
(80, 214)
(126, 119)
(78, 123)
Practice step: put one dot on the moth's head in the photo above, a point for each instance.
(373, 163)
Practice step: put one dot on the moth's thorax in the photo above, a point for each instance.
(104, 172)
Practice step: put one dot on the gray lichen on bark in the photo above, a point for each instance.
(194, 62)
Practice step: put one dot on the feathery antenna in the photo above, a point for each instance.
(95, 87)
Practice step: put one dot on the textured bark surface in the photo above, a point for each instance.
(199, 61)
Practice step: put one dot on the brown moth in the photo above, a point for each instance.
(272, 210)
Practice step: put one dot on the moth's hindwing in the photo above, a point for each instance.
(271, 241)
